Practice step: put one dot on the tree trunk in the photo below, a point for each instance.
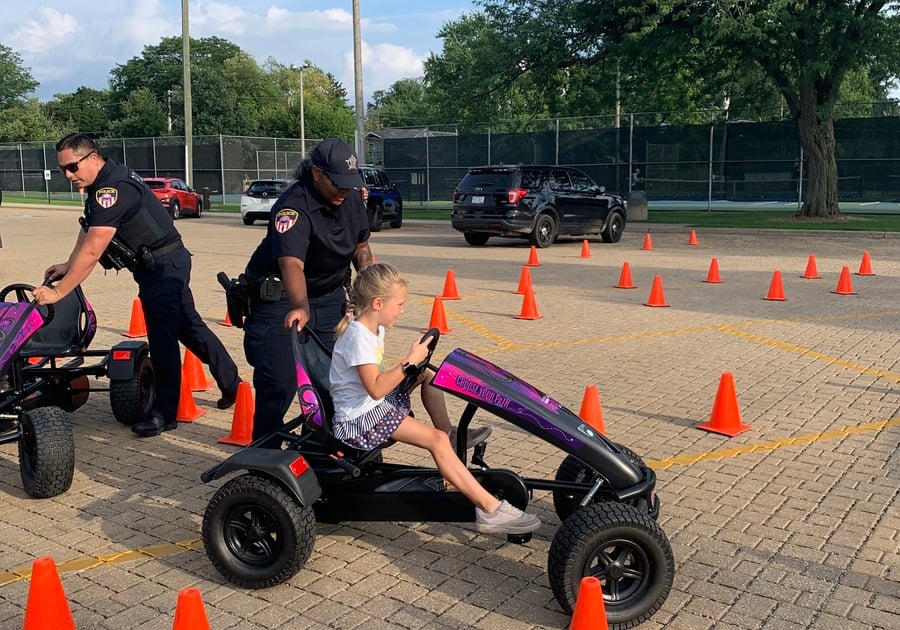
(816, 133)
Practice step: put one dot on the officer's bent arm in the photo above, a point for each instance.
(362, 256)
(294, 282)
(87, 252)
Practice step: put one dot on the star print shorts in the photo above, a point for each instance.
(377, 425)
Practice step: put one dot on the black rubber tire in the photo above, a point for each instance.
(397, 221)
(615, 226)
(174, 210)
(377, 218)
(132, 401)
(248, 221)
(476, 239)
(544, 233)
(625, 549)
(46, 452)
(256, 533)
(199, 209)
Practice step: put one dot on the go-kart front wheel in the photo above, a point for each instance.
(46, 452)
(622, 547)
(256, 533)
(132, 400)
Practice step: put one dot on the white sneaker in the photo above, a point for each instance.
(506, 519)
(473, 436)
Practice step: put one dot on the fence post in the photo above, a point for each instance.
(712, 130)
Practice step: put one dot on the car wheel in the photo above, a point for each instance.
(199, 209)
(544, 232)
(397, 221)
(256, 533)
(132, 400)
(476, 238)
(377, 218)
(248, 221)
(615, 225)
(46, 452)
(174, 210)
(623, 548)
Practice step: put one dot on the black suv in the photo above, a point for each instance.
(534, 202)
(383, 201)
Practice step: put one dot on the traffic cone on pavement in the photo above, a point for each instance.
(533, 258)
(438, 317)
(137, 327)
(726, 416)
(865, 267)
(585, 249)
(844, 286)
(590, 411)
(590, 612)
(648, 242)
(226, 321)
(189, 612)
(450, 290)
(47, 607)
(524, 281)
(187, 408)
(192, 372)
(776, 290)
(625, 281)
(811, 272)
(242, 420)
(692, 239)
(657, 297)
(712, 275)
(529, 306)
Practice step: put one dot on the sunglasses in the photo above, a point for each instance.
(72, 167)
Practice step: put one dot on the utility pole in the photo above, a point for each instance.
(302, 117)
(357, 74)
(188, 101)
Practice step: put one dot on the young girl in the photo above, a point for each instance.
(369, 409)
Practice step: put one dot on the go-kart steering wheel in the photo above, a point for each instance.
(21, 290)
(414, 371)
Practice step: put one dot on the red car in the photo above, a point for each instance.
(178, 198)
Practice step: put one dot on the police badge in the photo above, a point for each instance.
(107, 197)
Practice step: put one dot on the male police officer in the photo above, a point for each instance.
(317, 227)
(125, 225)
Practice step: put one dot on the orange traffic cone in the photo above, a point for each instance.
(648, 243)
(585, 249)
(192, 372)
(450, 291)
(692, 239)
(865, 267)
(242, 420)
(713, 275)
(590, 612)
(189, 612)
(524, 281)
(226, 321)
(776, 290)
(726, 416)
(533, 258)
(438, 317)
(137, 327)
(811, 271)
(625, 278)
(529, 306)
(657, 297)
(591, 412)
(187, 408)
(47, 607)
(844, 286)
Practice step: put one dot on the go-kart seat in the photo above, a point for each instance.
(69, 331)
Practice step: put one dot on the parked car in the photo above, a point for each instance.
(178, 198)
(257, 200)
(383, 202)
(534, 202)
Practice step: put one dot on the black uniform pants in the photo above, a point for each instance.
(171, 316)
(267, 345)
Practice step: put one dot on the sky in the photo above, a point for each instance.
(69, 44)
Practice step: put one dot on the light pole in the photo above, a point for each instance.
(302, 119)
(357, 73)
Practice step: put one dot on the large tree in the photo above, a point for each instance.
(85, 110)
(16, 81)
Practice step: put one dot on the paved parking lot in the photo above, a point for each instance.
(792, 524)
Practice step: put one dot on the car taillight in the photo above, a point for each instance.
(364, 193)
(457, 196)
(515, 195)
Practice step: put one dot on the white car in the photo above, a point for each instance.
(257, 200)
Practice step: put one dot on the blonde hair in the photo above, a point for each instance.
(379, 280)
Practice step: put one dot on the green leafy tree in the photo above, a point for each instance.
(403, 104)
(142, 116)
(84, 110)
(16, 81)
(26, 122)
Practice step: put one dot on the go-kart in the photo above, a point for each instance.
(259, 527)
(44, 375)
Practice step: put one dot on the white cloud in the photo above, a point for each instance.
(48, 29)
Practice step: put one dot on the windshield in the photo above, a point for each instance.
(267, 188)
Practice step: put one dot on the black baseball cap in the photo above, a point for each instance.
(338, 161)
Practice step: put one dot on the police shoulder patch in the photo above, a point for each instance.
(107, 197)
(285, 219)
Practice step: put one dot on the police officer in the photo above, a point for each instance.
(317, 227)
(125, 225)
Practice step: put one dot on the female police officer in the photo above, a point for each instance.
(125, 225)
(317, 227)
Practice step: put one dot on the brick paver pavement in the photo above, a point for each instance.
(792, 524)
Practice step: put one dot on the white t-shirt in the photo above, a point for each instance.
(357, 346)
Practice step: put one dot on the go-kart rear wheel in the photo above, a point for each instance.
(46, 452)
(622, 547)
(132, 400)
(256, 533)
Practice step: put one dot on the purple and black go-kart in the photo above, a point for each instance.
(259, 527)
(43, 376)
